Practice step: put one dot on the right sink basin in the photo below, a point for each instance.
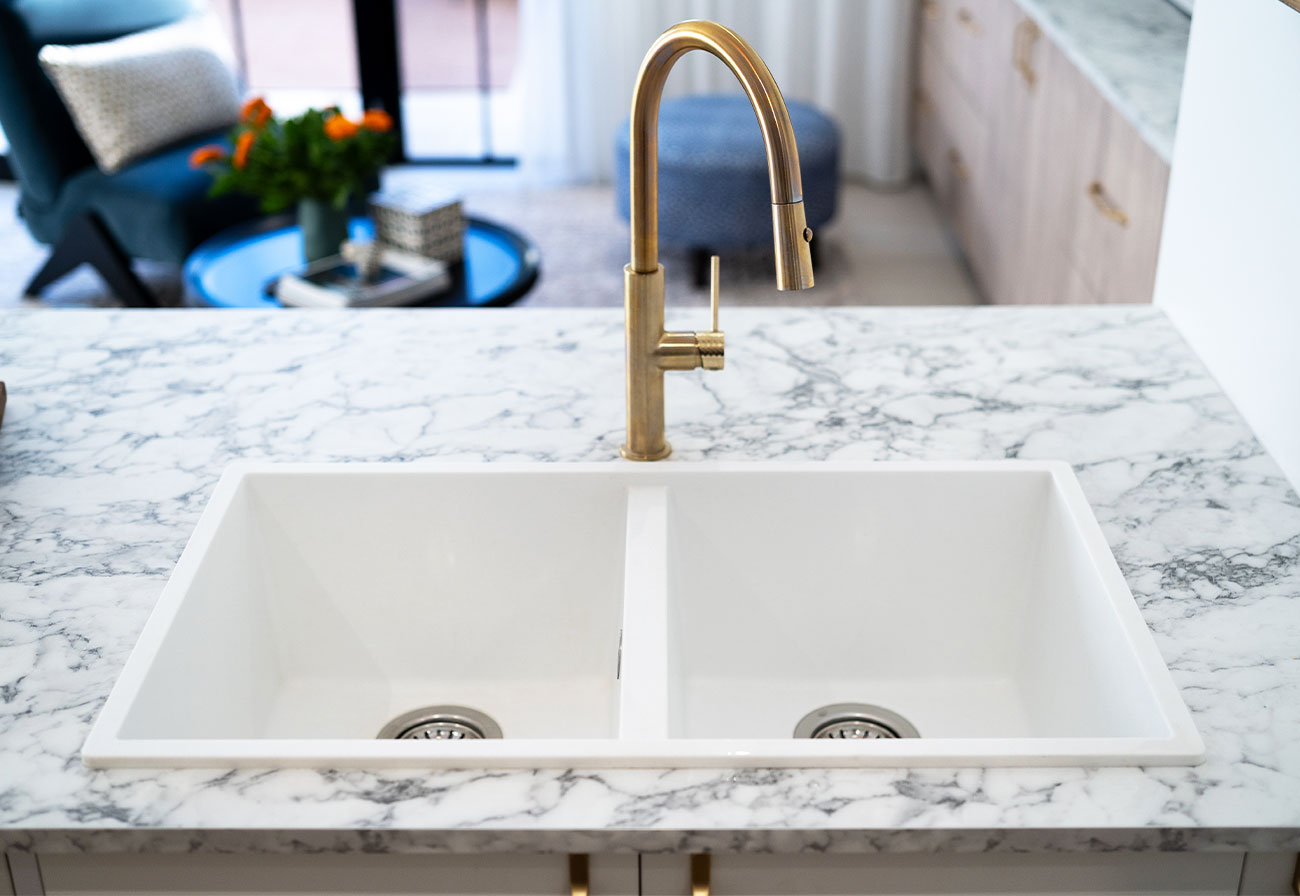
(658, 615)
(977, 601)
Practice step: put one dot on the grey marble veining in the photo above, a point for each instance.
(119, 424)
(1134, 51)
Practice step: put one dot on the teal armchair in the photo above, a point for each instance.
(155, 208)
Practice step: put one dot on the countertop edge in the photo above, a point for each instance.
(753, 841)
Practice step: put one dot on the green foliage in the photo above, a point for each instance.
(295, 158)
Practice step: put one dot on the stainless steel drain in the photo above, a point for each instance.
(854, 721)
(441, 723)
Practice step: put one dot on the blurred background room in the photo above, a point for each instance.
(963, 151)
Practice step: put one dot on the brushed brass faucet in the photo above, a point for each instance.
(650, 349)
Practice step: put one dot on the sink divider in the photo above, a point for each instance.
(643, 680)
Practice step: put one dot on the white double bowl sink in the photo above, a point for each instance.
(666, 615)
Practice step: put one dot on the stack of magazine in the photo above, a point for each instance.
(403, 279)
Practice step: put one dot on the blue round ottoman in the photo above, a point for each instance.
(713, 187)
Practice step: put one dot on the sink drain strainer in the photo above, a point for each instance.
(854, 721)
(441, 723)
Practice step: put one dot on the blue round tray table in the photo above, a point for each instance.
(234, 268)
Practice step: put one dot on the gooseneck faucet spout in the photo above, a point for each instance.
(650, 349)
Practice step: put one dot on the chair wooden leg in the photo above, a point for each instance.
(87, 241)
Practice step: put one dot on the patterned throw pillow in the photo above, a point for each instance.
(135, 94)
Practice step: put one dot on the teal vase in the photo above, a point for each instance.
(324, 228)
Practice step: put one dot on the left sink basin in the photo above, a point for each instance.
(312, 607)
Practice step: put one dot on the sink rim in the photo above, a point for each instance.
(104, 748)
(616, 753)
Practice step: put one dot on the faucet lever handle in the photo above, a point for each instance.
(711, 343)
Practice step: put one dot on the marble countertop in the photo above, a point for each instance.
(119, 424)
(1133, 51)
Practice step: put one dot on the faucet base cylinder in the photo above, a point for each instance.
(629, 454)
(643, 303)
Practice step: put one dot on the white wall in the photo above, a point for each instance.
(1229, 271)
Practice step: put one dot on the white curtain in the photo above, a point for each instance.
(579, 58)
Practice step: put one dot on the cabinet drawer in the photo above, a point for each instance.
(934, 15)
(1024, 164)
(1053, 195)
(1092, 195)
(963, 34)
(927, 128)
(330, 873)
(1063, 145)
(1050, 276)
(1076, 874)
(1120, 204)
(951, 140)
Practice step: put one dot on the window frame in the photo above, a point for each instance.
(379, 68)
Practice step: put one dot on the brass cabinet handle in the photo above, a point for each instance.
(922, 101)
(1027, 34)
(699, 875)
(968, 21)
(932, 10)
(958, 164)
(1105, 204)
(579, 875)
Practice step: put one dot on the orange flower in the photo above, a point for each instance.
(339, 128)
(255, 112)
(377, 120)
(242, 147)
(205, 154)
